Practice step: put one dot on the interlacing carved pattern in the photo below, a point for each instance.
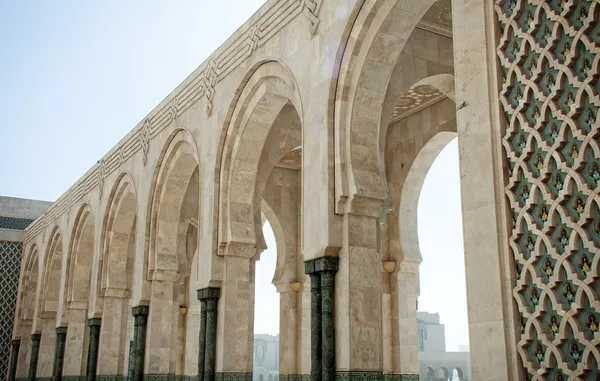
(199, 86)
(10, 263)
(548, 53)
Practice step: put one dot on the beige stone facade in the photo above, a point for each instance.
(324, 116)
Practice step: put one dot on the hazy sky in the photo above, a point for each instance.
(76, 76)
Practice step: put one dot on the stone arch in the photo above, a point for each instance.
(51, 276)
(409, 239)
(80, 259)
(429, 374)
(269, 87)
(459, 373)
(177, 168)
(29, 282)
(280, 265)
(118, 234)
(376, 39)
(443, 373)
(173, 213)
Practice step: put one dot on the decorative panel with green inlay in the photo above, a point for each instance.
(549, 53)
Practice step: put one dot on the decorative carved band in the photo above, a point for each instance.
(199, 85)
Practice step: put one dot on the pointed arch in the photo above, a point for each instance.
(280, 264)
(269, 87)
(80, 259)
(409, 237)
(28, 289)
(378, 32)
(177, 169)
(51, 276)
(118, 239)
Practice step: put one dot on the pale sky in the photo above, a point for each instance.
(75, 77)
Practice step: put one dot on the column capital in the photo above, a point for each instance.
(209, 293)
(323, 264)
(94, 322)
(140, 311)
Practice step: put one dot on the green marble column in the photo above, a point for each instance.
(210, 297)
(201, 338)
(140, 316)
(316, 368)
(92, 360)
(35, 351)
(327, 266)
(59, 353)
(14, 359)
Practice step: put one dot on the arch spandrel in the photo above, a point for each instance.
(268, 88)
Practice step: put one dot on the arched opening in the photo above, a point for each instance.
(422, 121)
(49, 303)
(443, 374)
(172, 261)
(442, 310)
(26, 311)
(457, 375)
(429, 374)
(261, 175)
(394, 96)
(78, 293)
(266, 309)
(116, 278)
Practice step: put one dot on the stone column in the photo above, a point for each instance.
(14, 358)
(201, 337)
(111, 354)
(235, 346)
(47, 345)
(322, 279)
(24, 353)
(328, 267)
(59, 353)
(212, 297)
(487, 268)
(288, 330)
(207, 346)
(140, 315)
(359, 320)
(162, 326)
(405, 286)
(33, 360)
(74, 359)
(316, 368)
(92, 359)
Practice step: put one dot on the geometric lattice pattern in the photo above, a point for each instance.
(548, 53)
(10, 262)
(14, 223)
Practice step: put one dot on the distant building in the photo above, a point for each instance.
(266, 358)
(435, 363)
